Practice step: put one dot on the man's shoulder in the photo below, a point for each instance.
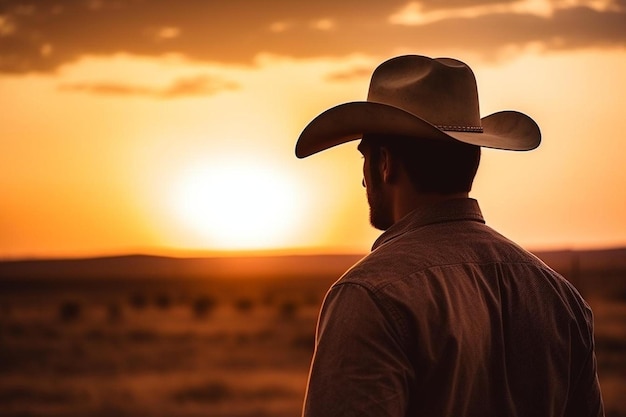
(422, 253)
(387, 265)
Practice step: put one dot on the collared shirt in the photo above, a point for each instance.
(446, 317)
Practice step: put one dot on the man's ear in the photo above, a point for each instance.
(387, 165)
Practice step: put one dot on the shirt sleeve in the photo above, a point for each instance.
(360, 366)
(586, 397)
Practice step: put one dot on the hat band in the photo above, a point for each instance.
(452, 128)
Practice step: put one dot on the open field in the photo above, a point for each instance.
(207, 337)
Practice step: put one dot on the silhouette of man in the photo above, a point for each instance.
(445, 317)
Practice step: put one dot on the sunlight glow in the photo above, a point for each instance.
(7, 27)
(323, 24)
(168, 32)
(151, 145)
(279, 27)
(236, 205)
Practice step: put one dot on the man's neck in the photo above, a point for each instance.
(407, 203)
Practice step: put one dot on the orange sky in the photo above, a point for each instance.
(167, 127)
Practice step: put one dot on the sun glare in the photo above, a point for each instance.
(237, 206)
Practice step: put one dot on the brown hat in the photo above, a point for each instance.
(418, 96)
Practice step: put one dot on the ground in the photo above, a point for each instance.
(181, 347)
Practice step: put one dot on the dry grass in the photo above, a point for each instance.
(172, 352)
(206, 348)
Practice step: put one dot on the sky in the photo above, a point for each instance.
(168, 127)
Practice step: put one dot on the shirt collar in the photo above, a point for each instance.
(447, 211)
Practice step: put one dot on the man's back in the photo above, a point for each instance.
(448, 318)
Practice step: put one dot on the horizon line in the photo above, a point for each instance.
(261, 253)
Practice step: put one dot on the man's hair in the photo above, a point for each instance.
(433, 166)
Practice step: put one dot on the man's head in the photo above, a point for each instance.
(422, 122)
(433, 166)
(430, 168)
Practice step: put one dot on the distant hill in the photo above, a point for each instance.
(158, 267)
(589, 270)
(599, 272)
(588, 260)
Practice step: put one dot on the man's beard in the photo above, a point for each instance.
(380, 214)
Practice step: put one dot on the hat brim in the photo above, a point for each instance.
(508, 130)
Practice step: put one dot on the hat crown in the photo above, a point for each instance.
(441, 91)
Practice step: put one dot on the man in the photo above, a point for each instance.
(445, 317)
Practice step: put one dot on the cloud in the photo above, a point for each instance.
(41, 36)
(164, 33)
(200, 85)
(197, 86)
(7, 26)
(568, 28)
(419, 13)
(278, 27)
(323, 24)
(356, 73)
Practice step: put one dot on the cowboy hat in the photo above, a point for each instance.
(421, 97)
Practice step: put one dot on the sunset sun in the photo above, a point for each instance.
(236, 206)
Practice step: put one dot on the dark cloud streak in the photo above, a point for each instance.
(351, 74)
(43, 35)
(575, 28)
(200, 85)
